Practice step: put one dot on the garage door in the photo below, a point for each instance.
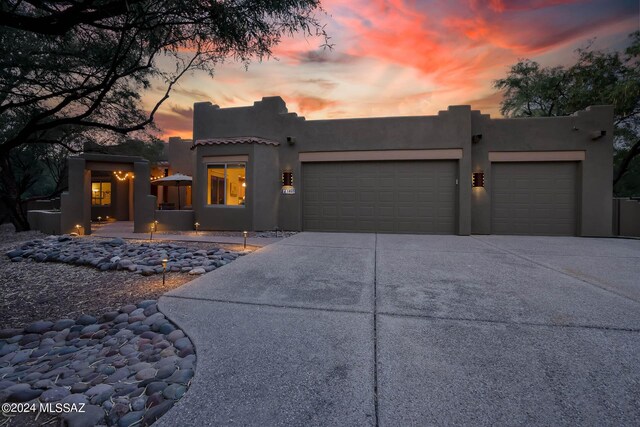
(534, 198)
(393, 196)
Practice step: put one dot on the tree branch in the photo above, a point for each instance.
(633, 152)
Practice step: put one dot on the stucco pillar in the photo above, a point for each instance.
(75, 204)
(144, 204)
(459, 119)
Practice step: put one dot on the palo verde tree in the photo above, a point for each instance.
(75, 70)
(596, 78)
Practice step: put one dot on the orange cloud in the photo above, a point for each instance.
(408, 57)
(305, 104)
(177, 121)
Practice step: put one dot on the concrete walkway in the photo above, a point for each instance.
(124, 230)
(365, 329)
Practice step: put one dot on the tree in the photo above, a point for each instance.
(596, 78)
(74, 70)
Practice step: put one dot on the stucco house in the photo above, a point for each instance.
(458, 172)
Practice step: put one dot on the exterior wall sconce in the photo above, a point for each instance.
(476, 138)
(291, 140)
(598, 134)
(287, 182)
(477, 179)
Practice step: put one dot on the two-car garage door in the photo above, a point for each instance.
(388, 196)
(420, 197)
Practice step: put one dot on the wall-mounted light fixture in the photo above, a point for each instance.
(598, 134)
(287, 182)
(291, 140)
(477, 179)
(476, 138)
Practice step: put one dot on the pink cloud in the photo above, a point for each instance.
(177, 121)
(405, 57)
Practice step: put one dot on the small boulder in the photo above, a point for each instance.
(86, 319)
(39, 327)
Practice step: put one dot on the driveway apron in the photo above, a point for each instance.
(366, 329)
(283, 336)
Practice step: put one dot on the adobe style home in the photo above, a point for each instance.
(458, 172)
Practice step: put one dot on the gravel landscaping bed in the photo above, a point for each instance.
(45, 290)
(117, 254)
(127, 367)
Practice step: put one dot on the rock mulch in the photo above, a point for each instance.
(128, 367)
(117, 254)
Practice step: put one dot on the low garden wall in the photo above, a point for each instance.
(47, 222)
(181, 220)
(626, 217)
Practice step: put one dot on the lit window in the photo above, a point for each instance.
(226, 184)
(100, 193)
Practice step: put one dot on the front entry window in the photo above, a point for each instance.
(226, 184)
(100, 193)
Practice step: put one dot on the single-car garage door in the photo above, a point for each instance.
(534, 198)
(391, 196)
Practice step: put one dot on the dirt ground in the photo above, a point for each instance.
(33, 291)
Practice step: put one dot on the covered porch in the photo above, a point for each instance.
(120, 189)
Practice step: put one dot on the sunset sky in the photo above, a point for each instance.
(403, 57)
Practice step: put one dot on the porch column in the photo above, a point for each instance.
(75, 204)
(144, 204)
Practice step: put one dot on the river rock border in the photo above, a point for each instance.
(128, 367)
(117, 254)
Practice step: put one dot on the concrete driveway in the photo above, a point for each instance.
(366, 329)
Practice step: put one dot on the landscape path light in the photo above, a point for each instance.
(151, 230)
(164, 269)
(197, 224)
(78, 229)
(244, 234)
